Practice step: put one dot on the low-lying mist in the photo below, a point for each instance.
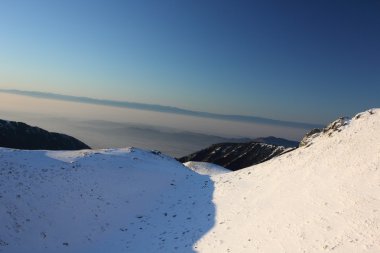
(110, 127)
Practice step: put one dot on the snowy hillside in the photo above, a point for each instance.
(324, 196)
(101, 201)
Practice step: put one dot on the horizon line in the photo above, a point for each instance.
(162, 108)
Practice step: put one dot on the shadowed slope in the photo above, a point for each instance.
(126, 200)
(22, 136)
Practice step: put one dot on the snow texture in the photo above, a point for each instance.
(322, 197)
(123, 200)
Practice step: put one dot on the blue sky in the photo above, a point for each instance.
(307, 61)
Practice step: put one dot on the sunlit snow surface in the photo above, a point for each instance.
(319, 198)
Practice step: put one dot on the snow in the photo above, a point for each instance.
(127, 200)
(205, 168)
(323, 197)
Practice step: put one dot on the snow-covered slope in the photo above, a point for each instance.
(320, 198)
(101, 201)
(324, 196)
(204, 168)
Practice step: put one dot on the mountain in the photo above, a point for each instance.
(22, 136)
(277, 141)
(321, 197)
(235, 156)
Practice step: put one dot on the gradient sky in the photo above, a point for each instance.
(307, 61)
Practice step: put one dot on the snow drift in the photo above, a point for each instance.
(324, 196)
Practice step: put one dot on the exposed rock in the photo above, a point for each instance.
(336, 125)
(235, 156)
(330, 129)
(310, 136)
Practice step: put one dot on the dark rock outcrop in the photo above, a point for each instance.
(19, 135)
(306, 140)
(335, 126)
(235, 156)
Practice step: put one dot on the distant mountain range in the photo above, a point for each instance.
(19, 135)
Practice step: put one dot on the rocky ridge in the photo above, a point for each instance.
(235, 156)
(19, 135)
